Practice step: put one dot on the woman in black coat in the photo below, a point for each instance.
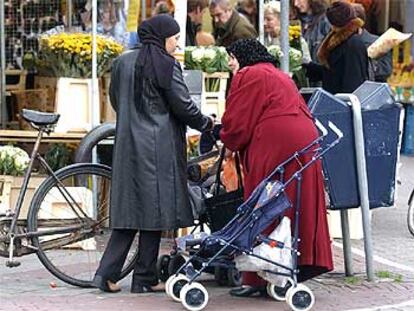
(342, 55)
(149, 182)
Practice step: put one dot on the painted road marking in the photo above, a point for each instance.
(378, 259)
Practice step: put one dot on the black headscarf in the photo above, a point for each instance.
(250, 51)
(153, 60)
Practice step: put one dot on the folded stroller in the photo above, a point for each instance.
(244, 232)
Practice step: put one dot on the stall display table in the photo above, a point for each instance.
(7, 136)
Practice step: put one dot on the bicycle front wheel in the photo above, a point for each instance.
(69, 219)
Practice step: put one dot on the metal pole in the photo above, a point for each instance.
(284, 34)
(387, 14)
(143, 10)
(261, 21)
(94, 109)
(70, 9)
(3, 108)
(346, 242)
(362, 180)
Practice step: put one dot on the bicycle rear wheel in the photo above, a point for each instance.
(70, 216)
(410, 214)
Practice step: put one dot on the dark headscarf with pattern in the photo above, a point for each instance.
(153, 61)
(249, 52)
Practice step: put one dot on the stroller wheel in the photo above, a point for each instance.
(175, 286)
(194, 297)
(300, 298)
(162, 267)
(279, 293)
(234, 277)
(167, 285)
(220, 275)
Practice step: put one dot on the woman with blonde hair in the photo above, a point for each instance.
(272, 29)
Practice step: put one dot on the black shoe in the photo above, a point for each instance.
(248, 291)
(104, 286)
(141, 289)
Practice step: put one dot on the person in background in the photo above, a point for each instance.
(195, 11)
(161, 7)
(228, 25)
(343, 57)
(248, 9)
(315, 25)
(149, 170)
(382, 67)
(266, 120)
(272, 29)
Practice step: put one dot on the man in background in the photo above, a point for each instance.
(228, 25)
(195, 11)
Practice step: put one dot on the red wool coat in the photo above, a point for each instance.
(267, 120)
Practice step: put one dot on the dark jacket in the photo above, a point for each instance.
(190, 33)
(348, 67)
(149, 181)
(315, 30)
(236, 28)
(383, 65)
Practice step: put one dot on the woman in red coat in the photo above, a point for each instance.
(267, 120)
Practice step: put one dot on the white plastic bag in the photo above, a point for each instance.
(282, 256)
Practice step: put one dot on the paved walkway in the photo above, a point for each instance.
(28, 287)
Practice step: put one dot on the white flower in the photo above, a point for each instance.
(210, 54)
(18, 157)
(295, 55)
(197, 54)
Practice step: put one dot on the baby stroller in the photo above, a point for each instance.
(204, 181)
(243, 233)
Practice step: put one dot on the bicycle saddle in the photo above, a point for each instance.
(40, 118)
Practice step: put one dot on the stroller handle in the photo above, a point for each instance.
(335, 129)
(320, 126)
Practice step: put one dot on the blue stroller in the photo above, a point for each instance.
(267, 202)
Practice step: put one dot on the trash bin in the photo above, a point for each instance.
(381, 118)
(407, 146)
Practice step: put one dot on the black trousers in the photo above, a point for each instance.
(113, 259)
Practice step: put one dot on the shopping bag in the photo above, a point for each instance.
(222, 206)
(282, 256)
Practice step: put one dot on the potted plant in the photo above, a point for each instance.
(68, 57)
(212, 61)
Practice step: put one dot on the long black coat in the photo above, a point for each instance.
(149, 181)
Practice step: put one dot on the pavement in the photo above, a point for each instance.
(31, 287)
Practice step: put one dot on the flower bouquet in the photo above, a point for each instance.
(70, 55)
(295, 57)
(13, 160)
(209, 60)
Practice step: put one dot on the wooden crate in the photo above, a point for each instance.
(9, 192)
(32, 99)
(48, 83)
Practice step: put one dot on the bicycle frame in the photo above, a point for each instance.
(12, 234)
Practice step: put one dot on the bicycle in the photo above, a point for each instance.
(68, 218)
(410, 214)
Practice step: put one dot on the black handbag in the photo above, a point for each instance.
(222, 206)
